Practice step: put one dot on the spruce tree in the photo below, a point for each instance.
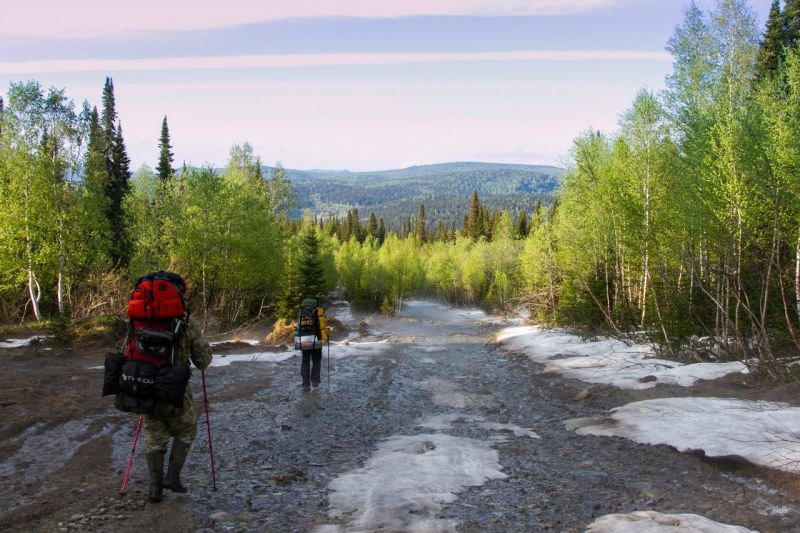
(381, 231)
(522, 225)
(309, 265)
(452, 236)
(419, 228)
(118, 189)
(109, 118)
(372, 226)
(116, 176)
(771, 50)
(474, 226)
(441, 232)
(790, 26)
(1, 119)
(165, 158)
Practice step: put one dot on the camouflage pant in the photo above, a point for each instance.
(168, 421)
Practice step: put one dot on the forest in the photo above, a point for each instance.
(683, 226)
(444, 189)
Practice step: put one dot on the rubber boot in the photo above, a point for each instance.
(177, 457)
(155, 464)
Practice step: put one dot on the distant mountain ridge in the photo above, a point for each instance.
(443, 188)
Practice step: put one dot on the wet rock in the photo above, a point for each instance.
(245, 517)
(648, 379)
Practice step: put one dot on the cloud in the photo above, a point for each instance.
(93, 18)
(318, 60)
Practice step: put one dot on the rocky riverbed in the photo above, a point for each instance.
(424, 424)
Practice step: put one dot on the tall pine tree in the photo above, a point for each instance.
(474, 228)
(117, 178)
(165, 158)
(771, 50)
(309, 265)
(419, 227)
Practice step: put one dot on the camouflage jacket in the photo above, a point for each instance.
(194, 345)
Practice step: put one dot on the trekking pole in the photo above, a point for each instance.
(208, 426)
(329, 364)
(130, 460)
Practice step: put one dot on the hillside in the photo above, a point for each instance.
(443, 188)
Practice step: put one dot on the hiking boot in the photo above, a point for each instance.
(177, 457)
(315, 384)
(155, 465)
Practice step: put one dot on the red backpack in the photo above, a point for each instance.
(157, 311)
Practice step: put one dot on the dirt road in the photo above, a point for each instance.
(425, 424)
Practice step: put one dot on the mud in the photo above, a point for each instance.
(277, 448)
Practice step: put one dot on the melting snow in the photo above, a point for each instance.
(408, 480)
(259, 357)
(251, 342)
(608, 361)
(653, 522)
(350, 349)
(20, 343)
(764, 433)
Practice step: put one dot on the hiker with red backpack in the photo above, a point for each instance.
(151, 374)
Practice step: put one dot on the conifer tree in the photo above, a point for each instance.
(116, 175)
(381, 231)
(164, 168)
(441, 232)
(474, 224)
(452, 236)
(109, 117)
(118, 187)
(771, 50)
(522, 225)
(790, 23)
(372, 225)
(309, 266)
(419, 228)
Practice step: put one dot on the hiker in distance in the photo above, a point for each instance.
(153, 374)
(310, 337)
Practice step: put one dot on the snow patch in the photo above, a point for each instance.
(608, 361)
(450, 394)
(250, 342)
(21, 343)
(763, 433)
(351, 349)
(408, 480)
(653, 522)
(258, 357)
